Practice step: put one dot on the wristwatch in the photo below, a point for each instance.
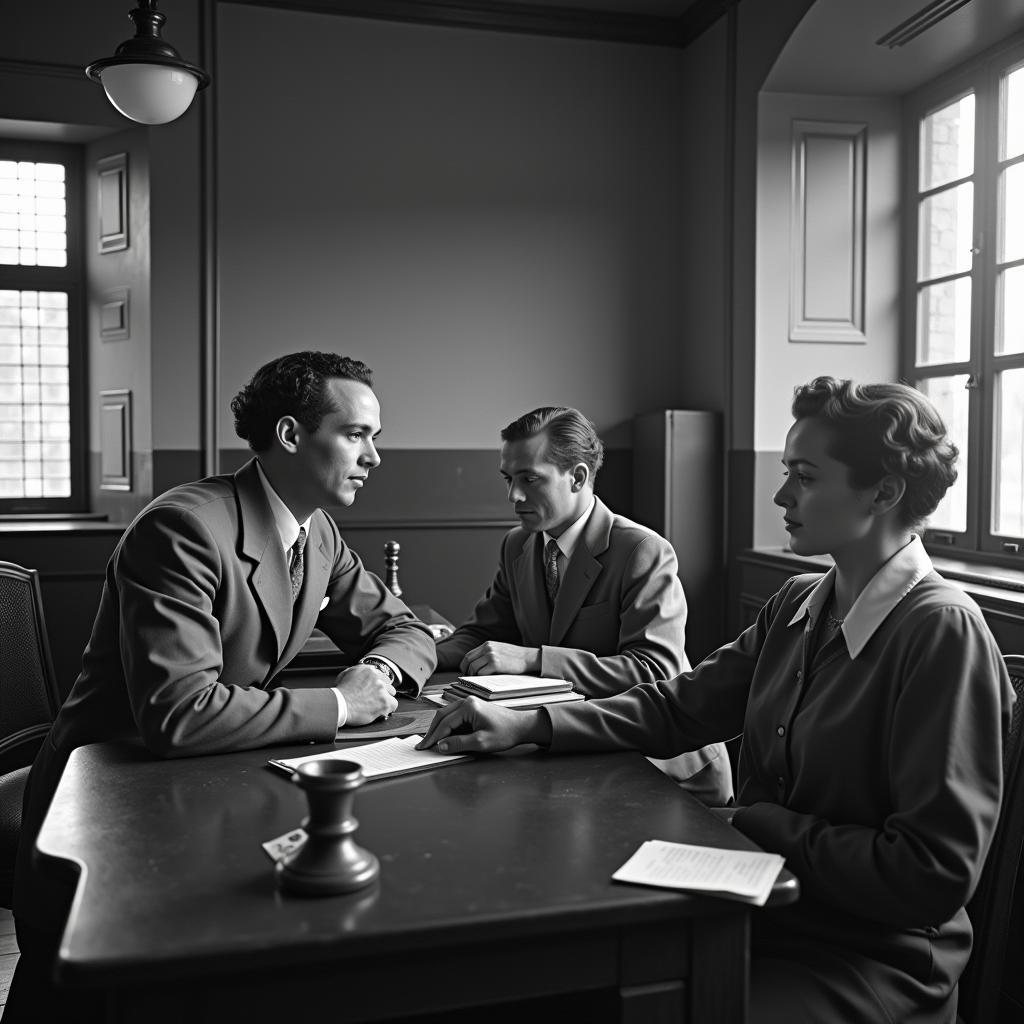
(381, 666)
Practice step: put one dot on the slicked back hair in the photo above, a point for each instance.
(571, 437)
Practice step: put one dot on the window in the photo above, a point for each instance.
(964, 344)
(41, 333)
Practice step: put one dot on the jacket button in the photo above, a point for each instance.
(781, 730)
(780, 782)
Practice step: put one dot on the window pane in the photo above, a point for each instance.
(1013, 114)
(951, 397)
(1010, 312)
(946, 230)
(36, 192)
(947, 144)
(35, 419)
(1008, 485)
(944, 322)
(1011, 222)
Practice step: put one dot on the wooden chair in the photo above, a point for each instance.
(28, 702)
(990, 990)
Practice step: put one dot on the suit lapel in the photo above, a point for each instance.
(582, 571)
(261, 545)
(532, 599)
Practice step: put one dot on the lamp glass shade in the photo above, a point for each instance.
(149, 93)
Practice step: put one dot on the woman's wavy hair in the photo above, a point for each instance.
(879, 430)
(291, 385)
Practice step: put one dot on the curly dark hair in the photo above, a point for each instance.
(884, 429)
(572, 438)
(291, 385)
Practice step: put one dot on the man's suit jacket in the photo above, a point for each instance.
(619, 616)
(195, 621)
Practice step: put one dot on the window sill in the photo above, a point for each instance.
(76, 522)
(994, 581)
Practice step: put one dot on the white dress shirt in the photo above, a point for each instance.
(288, 530)
(569, 539)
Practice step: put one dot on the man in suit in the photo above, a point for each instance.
(581, 593)
(211, 591)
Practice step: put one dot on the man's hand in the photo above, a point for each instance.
(474, 726)
(493, 658)
(368, 694)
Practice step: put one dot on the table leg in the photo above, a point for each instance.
(720, 979)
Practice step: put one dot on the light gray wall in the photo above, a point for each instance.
(492, 221)
(781, 364)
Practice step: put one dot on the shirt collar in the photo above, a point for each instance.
(893, 581)
(287, 525)
(570, 537)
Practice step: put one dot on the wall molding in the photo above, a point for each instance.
(116, 440)
(112, 202)
(38, 67)
(115, 315)
(829, 201)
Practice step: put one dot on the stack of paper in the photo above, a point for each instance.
(523, 703)
(744, 875)
(512, 691)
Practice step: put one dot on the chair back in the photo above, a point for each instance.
(28, 689)
(988, 993)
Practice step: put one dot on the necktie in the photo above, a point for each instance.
(295, 569)
(551, 570)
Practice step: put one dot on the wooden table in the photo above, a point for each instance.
(495, 887)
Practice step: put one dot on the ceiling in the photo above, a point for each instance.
(834, 49)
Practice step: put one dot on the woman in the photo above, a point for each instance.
(872, 701)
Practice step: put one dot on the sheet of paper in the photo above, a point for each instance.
(388, 757)
(740, 874)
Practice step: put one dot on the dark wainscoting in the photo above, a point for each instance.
(70, 558)
(448, 512)
(446, 508)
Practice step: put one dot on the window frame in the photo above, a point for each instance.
(981, 75)
(69, 279)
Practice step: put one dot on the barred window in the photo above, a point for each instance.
(41, 335)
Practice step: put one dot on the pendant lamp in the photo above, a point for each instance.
(146, 79)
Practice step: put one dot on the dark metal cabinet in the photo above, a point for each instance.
(678, 491)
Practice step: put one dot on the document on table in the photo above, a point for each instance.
(744, 875)
(378, 760)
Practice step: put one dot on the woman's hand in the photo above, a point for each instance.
(474, 726)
